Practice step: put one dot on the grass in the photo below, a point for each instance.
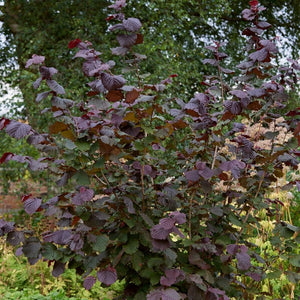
(19, 280)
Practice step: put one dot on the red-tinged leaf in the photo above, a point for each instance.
(235, 166)
(127, 40)
(57, 127)
(72, 44)
(3, 123)
(58, 268)
(17, 129)
(108, 276)
(117, 27)
(244, 261)
(114, 96)
(132, 24)
(89, 282)
(139, 40)
(131, 96)
(31, 205)
(112, 82)
(253, 3)
(35, 60)
(254, 105)
(6, 157)
(54, 86)
(25, 197)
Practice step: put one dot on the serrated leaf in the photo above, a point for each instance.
(132, 246)
(100, 243)
(295, 260)
(54, 86)
(108, 276)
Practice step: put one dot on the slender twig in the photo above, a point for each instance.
(190, 214)
(214, 159)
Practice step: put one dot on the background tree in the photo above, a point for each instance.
(176, 33)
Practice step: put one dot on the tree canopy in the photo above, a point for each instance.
(176, 33)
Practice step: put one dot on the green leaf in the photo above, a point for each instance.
(131, 246)
(170, 254)
(83, 146)
(274, 275)
(137, 260)
(155, 261)
(295, 260)
(101, 243)
(82, 178)
(50, 252)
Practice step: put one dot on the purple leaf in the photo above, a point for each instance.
(254, 276)
(60, 237)
(54, 86)
(117, 27)
(263, 25)
(112, 82)
(163, 294)
(209, 61)
(192, 175)
(259, 55)
(118, 5)
(89, 282)
(58, 268)
(17, 129)
(232, 249)
(108, 276)
(132, 24)
(256, 92)
(180, 218)
(61, 103)
(42, 96)
(84, 195)
(269, 45)
(235, 166)
(244, 261)
(160, 245)
(97, 86)
(119, 51)
(204, 171)
(172, 276)
(167, 223)
(47, 73)
(31, 205)
(37, 83)
(126, 40)
(239, 94)
(158, 232)
(129, 205)
(248, 14)
(35, 60)
(298, 185)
